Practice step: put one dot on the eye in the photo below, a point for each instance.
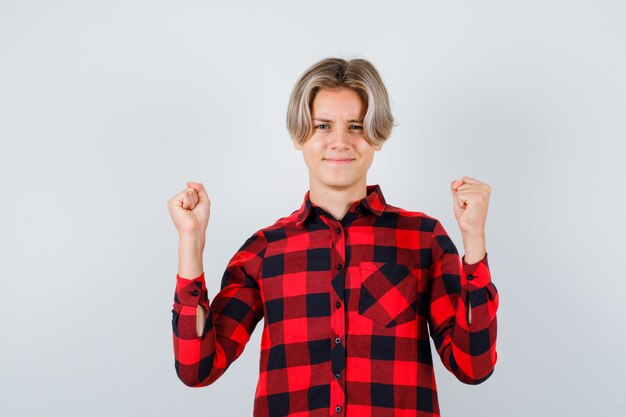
(356, 126)
(320, 125)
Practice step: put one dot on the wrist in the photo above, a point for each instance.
(477, 234)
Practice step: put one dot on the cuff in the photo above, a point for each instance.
(190, 292)
(476, 275)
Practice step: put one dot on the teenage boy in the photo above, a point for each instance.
(348, 284)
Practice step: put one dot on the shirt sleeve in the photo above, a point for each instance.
(231, 316)
(467, 347)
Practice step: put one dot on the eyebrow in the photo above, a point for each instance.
(327, 120)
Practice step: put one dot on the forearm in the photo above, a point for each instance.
(463, 310)
(473, 342)
(201, 354)
(209, 336)
(475, 250)
(469, 350)
(191, 348)
(190, 249)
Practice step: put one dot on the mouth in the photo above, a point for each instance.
(339, 161)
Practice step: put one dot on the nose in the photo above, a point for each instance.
(340, 139)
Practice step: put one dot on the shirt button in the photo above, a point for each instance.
(337, 409)
(337, 376)
(470, 277)
(339, 266)
(338, 304)
(338, 340)
(338, 230)
(195, 292)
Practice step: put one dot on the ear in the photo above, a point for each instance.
(377, 147)
(297, 145)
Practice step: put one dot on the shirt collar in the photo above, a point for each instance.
(374, 202)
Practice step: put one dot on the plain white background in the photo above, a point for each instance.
(107, 108)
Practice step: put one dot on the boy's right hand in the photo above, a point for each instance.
(190, 211)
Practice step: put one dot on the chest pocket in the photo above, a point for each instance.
(389, 292)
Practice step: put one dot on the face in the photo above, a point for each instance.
(337, 154)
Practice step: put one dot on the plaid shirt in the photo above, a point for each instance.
(347, 307)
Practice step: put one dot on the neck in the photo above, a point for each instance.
(336, 200)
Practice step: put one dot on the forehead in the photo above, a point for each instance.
(343, 102)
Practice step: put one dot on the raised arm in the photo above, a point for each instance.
(463, 300)
(190, 211)
(207, 337)
(467, 347)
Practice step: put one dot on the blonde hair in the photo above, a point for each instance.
(332, 73)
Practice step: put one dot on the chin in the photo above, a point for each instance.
(338, 183)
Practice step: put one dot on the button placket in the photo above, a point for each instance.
(337, 287)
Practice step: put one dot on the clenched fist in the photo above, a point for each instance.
(470, 200)
(190, 211)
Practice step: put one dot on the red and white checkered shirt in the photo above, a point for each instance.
(347, 307)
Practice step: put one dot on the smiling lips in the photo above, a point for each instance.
(339, 161)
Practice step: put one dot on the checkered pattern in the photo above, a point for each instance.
(347, 305)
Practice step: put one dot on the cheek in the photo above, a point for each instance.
(312, 150)
(311, 157)
(367, 163)
(367, 157)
